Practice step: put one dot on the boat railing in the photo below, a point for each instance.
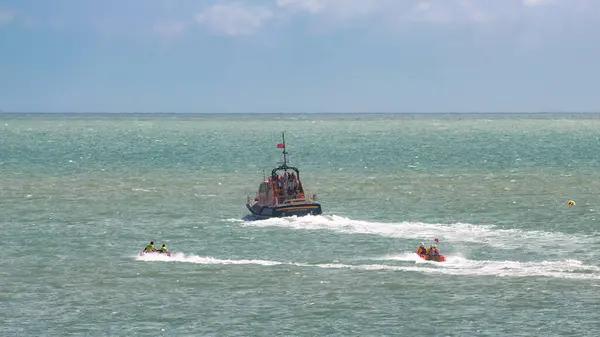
(310, 196)
(300, 200)
(254, 200)
(293, 201)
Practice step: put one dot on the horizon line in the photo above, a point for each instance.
(291, 113)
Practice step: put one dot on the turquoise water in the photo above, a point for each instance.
(81, 195)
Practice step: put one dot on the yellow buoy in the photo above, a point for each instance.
(571, 203)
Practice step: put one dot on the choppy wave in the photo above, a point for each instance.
(455, 265)
(457, 232)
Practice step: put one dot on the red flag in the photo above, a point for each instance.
(280, 146)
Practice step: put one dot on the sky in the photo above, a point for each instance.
(299, 56)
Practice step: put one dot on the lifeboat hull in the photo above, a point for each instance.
(155, 253)
(441, 258)
(280, 211)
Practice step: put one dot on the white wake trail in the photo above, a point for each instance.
(180, 257)
(457, 232)
(455, 265)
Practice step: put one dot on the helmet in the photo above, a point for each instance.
(151, 242)
(422, 244)
(434, 246)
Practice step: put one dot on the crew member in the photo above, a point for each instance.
(422, 250)
(150, 247)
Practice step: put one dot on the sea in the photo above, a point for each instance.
(82, 194)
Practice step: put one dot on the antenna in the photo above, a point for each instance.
(284, 151)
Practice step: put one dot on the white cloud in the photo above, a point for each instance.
(449, 11)
(330, 15)
(311, 6)
(534, 2)
(234, 19)
(402, 11)
(345, 9)
(7, 16)
(242, 18)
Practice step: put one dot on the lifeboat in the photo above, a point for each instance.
(282, 193)
(436, 258)
(155, 253)
(439, 258)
